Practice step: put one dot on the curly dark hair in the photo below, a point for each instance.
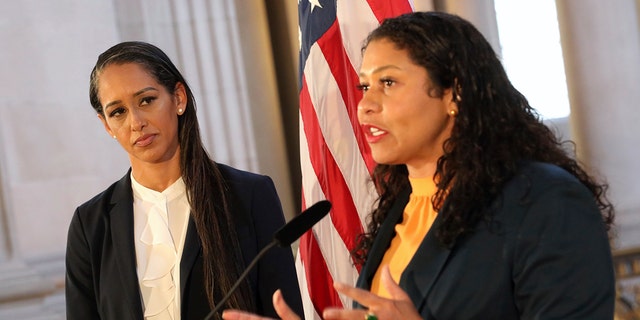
(206, 189)
(495, 130)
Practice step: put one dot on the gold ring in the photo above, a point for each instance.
(370, 316)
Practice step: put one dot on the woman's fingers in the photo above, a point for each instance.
(399, 306)
(392, 287)
(232, 314)
(343, 314)
(282, 308)
(364, 297)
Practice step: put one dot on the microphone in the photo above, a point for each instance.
(284, 237)
(293, 230)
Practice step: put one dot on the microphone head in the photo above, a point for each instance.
(294, 229)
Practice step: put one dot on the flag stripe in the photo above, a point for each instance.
(356, 21)
(384, 8)
(308, 260)
(335, 159)
(332, 246)
(337, 129)
(347, 79)
(322, 282)
(348, 223)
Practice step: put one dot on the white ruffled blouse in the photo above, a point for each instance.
(160, 227)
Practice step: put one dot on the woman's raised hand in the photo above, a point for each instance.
(281, 307)
(399, 306)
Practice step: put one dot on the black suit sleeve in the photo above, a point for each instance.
(562, 262)
(276, 270)
(79, 288)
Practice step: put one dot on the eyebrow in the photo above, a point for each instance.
(379, 69)
(135, 95)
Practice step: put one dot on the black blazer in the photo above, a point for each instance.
(544, 255)
(101, 278)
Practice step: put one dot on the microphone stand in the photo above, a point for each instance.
(286, 235)
(240, 279)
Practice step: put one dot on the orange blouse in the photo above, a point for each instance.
(417, 219)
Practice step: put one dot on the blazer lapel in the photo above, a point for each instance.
(383, 240)
(121, 215)
(190, 253)
(425, 266)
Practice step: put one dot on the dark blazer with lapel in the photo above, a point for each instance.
(544, 255)
(101, 278)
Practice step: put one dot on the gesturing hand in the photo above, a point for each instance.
(398, 307)
(281, 307)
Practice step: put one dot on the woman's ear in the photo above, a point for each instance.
(451, 103)
(180, 94)
(457, 91)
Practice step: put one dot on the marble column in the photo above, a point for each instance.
(601, 45)
(54, 153)
(481, 13)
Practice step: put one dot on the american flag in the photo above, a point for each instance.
(335, 159)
